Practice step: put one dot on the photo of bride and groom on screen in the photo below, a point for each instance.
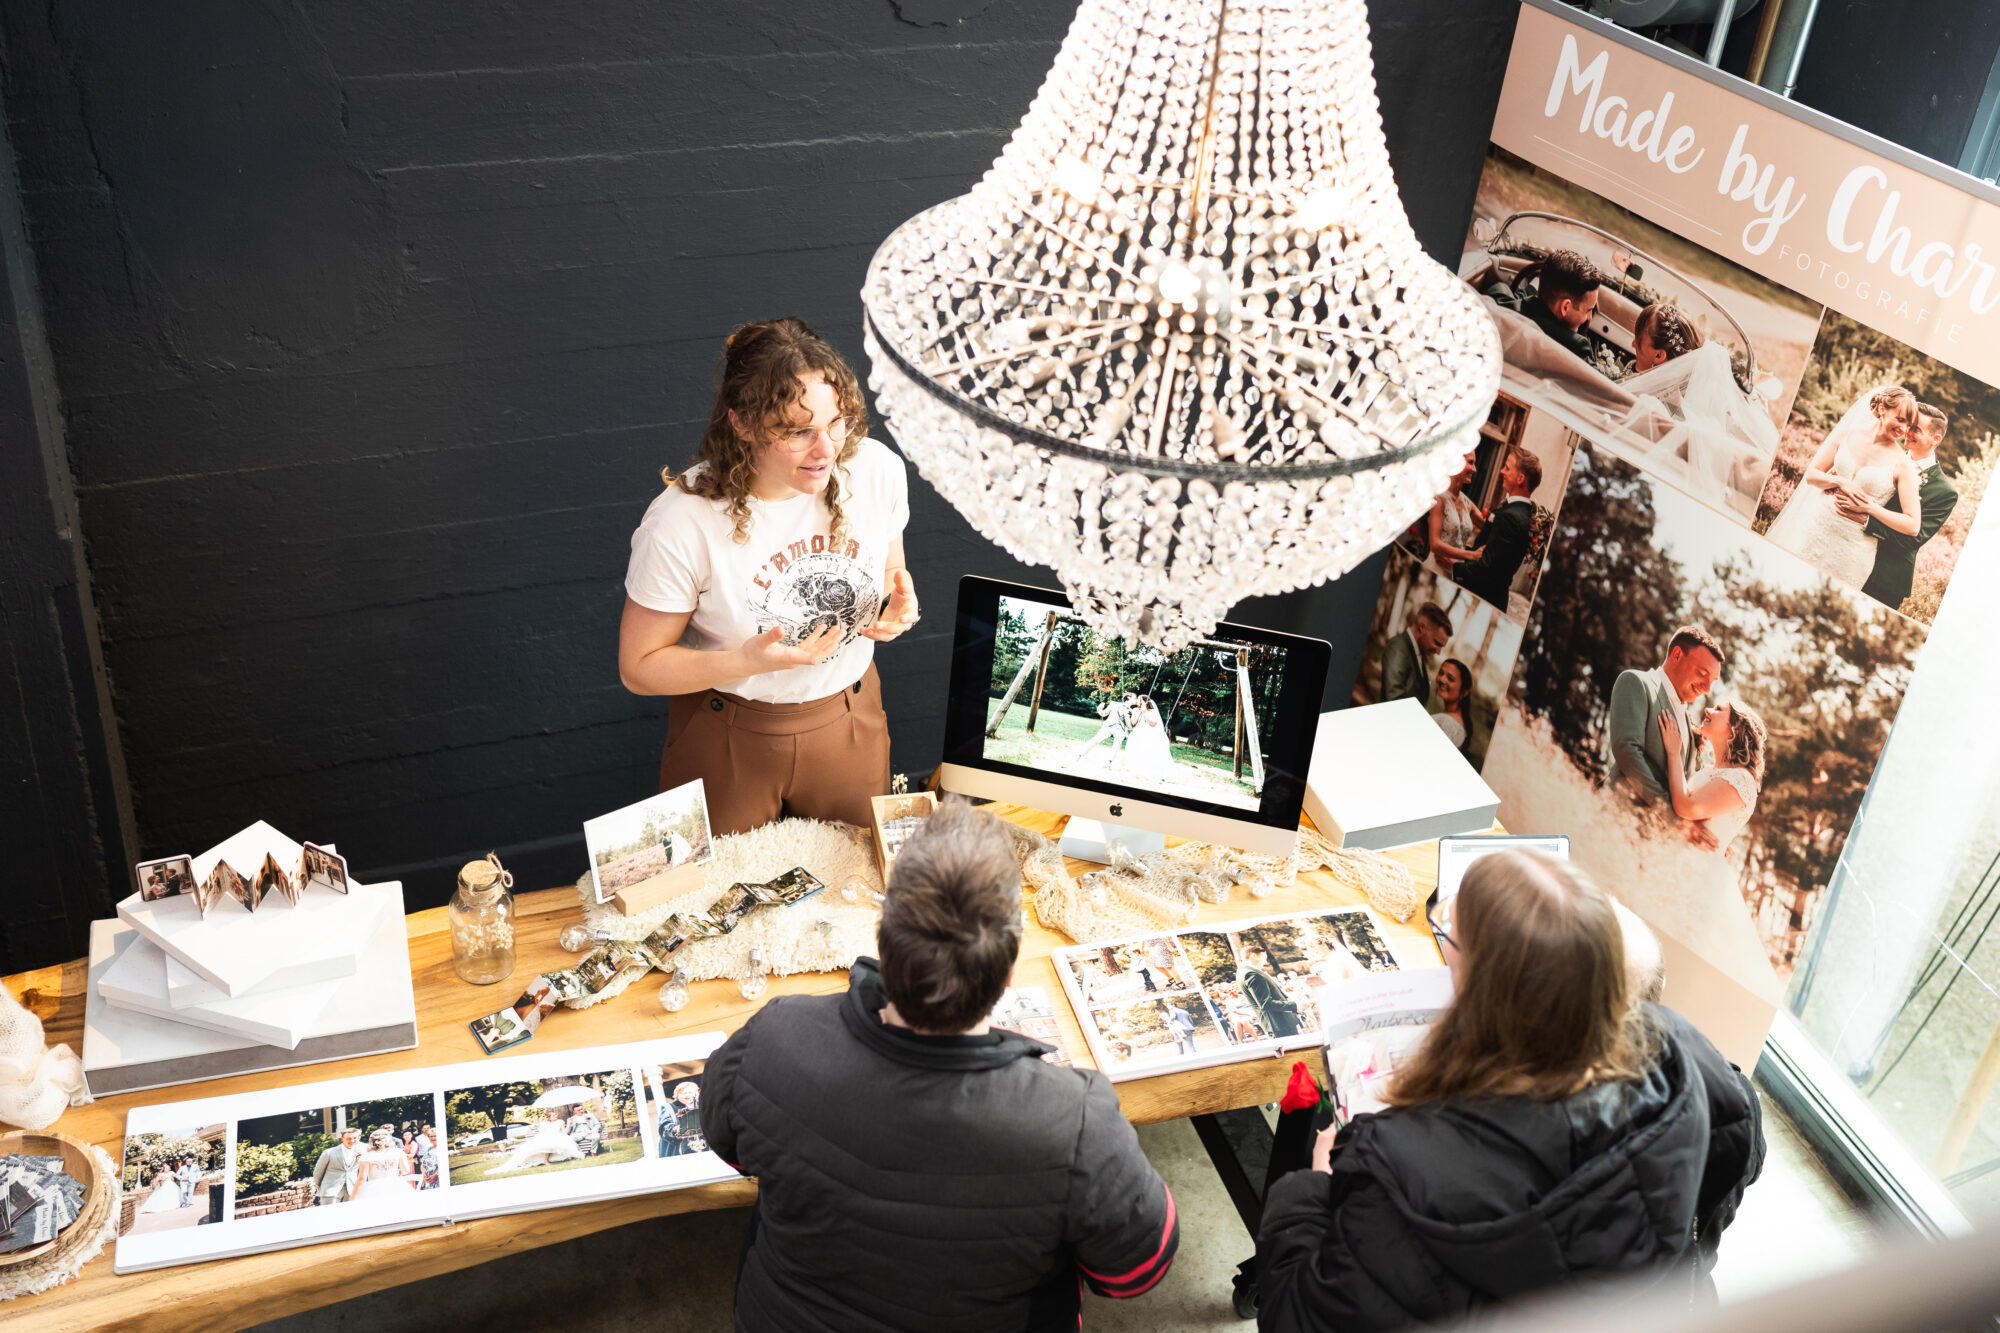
(1194, 723)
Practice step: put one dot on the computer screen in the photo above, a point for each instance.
(1222, 728)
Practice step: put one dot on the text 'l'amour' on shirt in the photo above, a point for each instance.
(790, 573)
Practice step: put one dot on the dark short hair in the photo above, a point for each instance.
(1531, 466)
(1689, 637)
(1568, 276)
(1939, 422)
(1434, 613)
(951, 920)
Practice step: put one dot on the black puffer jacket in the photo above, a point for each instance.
(925, 1183)
(1437, 1210)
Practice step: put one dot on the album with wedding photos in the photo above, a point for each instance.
(1194, 996)
(283, 1167)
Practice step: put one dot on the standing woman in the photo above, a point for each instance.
(761, 580)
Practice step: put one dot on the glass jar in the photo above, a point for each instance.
(482, 922)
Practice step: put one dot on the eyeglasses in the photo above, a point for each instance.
(1439, 917)
(799, 439)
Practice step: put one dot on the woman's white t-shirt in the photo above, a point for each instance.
(685, 558)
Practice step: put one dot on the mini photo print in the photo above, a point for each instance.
(497, 1031)
(325, 1156)
(271, 878)
(320, 868)
(224, 882)
(794, 885)
(1131, 971)
(504, 1131)
(596, 969)
(176, 1176)
(166, 877)
(648, 838)
(1155, 1031)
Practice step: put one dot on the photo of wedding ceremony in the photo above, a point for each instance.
(1066, 699)
(501, 1131)
(1146, 1032)
(675, 1105)
(1263, 980)
(1489, 531)
(647, 838)
(1700, 711)
(1434, 642)
(1131, 971)
(325, 1155)
(172, 1180)
(1881, 466)
(1665, 352)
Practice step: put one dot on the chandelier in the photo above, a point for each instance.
(1179, 343)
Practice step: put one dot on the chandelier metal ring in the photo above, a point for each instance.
(1449, 435)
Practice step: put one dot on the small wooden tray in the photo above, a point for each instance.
(78, 1161)
(882, 809)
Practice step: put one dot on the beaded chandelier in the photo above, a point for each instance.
(1179, 343)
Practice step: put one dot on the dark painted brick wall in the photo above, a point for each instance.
(374, 322)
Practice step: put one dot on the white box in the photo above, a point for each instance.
(1383, 775)
(237, 950)
(372, 1011)
(137, 980)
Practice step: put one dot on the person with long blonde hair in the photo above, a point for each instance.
(761, 580)
(1551, 1131)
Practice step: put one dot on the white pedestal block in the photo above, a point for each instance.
(372, 1011)
(1383, 775)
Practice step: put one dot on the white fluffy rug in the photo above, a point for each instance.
(820, 934)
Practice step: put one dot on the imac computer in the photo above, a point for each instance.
(1211, 742)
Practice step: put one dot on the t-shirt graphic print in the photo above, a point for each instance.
(792, 573)
(807, 587)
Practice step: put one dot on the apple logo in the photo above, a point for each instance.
(1117, 808)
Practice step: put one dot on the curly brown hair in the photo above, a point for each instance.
(761, 378)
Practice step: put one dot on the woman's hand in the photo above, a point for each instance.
(899, 612)
(768, 651)
(1670, 733)
(1323, 1150)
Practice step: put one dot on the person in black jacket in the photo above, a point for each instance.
(1547, 1134)
(1504, 542)
(917, 1169)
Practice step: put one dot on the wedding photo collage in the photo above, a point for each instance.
(445, 1145)
(1156, 1002)
(1672, 601)
(1193, 724)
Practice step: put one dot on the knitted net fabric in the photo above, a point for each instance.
(38, 1082)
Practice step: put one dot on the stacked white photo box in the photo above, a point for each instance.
(176, 995)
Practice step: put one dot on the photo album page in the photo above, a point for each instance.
(1193, 997)
(269, 1170)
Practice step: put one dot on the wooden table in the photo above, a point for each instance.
(230, 1294)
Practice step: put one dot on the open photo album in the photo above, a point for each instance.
(1206, 995)
(283, 1167)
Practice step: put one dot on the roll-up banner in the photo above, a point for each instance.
(1747, 417)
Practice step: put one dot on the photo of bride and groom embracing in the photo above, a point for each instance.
(1885, 459)
(1136, 737)
(1658, 747)
(1700, 711)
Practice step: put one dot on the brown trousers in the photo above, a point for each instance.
(821, 759)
